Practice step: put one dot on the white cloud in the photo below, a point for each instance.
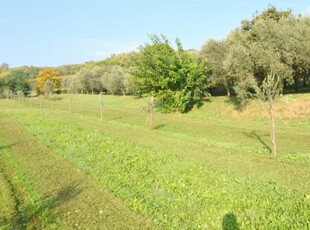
(103, 48)
(307, 11)
(103, 54)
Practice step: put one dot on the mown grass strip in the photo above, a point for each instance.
(8, 200)
(69, 198)
(26, 204)
(176, 194)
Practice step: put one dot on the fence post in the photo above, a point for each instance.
(41, 100)
(100, 106)
(151, 115)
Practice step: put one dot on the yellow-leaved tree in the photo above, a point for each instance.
(50, 76)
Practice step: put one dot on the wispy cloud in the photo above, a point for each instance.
(103, 48)
(103, 54)
(307, 11)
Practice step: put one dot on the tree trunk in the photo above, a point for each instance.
(41, 100)
(272, 131)
(70, 103)
(226, 84)
(151, 116)
(305, 81)
(100, 107)
(228, 91)
(296, 84)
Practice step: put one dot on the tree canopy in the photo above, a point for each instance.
(176, 78)
(17, 79)
(273, 41)
(48, 74)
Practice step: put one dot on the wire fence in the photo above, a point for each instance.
(101, 109)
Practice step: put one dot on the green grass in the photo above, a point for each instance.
(21, 205)
(43, 191)
(198, 170)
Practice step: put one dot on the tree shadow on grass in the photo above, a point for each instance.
(237, 104)
(254, 135)
(230, 222)
(8, 146)
(23, 216)
(159, 126)
(117, 118)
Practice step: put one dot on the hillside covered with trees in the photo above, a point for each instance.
(272, 42)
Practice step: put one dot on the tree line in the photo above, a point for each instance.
(259, 59)
(271, 43)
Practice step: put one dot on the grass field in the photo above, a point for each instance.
(208, 169)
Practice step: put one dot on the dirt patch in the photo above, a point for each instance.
(284, 110)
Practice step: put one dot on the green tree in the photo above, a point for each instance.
(48, 87)
(4, 67)
(271, 13)
(15, 83)
(273, 48)
(88, 81)
(18, 79)
(68, 69)
(294, 44)
(174, 77)
(281, 44)
(114, 79)
(215, 52)
(7, 92)
(274, 41)
(74, 85)
(238, 65)
(82, 80)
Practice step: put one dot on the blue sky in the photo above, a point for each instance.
(56, 32)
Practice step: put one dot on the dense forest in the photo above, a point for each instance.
(273, 43)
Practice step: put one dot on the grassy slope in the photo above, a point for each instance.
(235, 151)
(41, 190)
(239, 144)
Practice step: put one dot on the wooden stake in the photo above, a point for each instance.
(70, 103)
(100, 107)
(41, 100)
(272, 131)
(151, 115)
